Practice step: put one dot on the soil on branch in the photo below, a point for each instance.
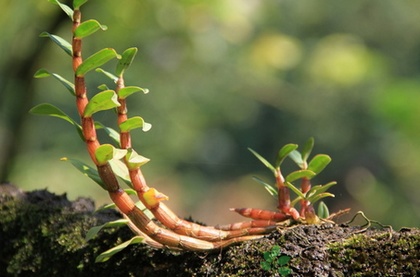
(42, 234)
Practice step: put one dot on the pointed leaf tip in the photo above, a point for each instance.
(103, 257)
(92, 232)
(43, 73)
(271, 190)
(62, 43)
(307, 148)
(108, 74)
(86, 170)
(64, 7)
(51, 110)
(263, 160)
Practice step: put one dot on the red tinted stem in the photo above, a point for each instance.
(283, 193)
(305, 186)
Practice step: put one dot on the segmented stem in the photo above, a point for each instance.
(163, 213)
(155, 236)
(305, 186)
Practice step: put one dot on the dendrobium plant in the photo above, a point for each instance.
(120, 163)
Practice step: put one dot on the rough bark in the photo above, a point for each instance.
(42, 234)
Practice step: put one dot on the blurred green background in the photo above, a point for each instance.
(225, 75)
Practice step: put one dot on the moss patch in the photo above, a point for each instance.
(373, 253)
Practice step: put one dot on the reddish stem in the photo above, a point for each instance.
(88, 124)
(77, 42)
(88, 127)
(284, 196)
(138, 180)
(304, 204)
(283, 193)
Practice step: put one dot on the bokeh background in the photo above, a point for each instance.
(225, 75)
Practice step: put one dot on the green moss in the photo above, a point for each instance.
(41, 230)
(386, 252)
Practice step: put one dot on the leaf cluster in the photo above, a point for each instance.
(275, 260)
(307, 169)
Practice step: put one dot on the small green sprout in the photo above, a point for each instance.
(274, 260)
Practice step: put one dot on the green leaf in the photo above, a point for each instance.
(103, 257)
(323, 211)
(95, 230)
(131, 192)
(284, 271)
(275, 251)
(284, 152)
(107, 206)
(297, 158)
(271, 190)
(319, 162)
(106, 152)
(127, 91)
(134, 160)
(114, 135)
(133, 123)
(51, 110)
(263, 160)
(87, 28)
(104, 100)
(266, 265)
(300, 174)
(320, 188)
(43, 73)
(99, 58)
(62, 43)
(295, 189)
(267, 256)
(307, 148)
(317, 197)
(64, 7)
(120, 169)
(103, 87)
(126, 59)
(283, 260)
(87, 170)
(78, 3)
(107, 74)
